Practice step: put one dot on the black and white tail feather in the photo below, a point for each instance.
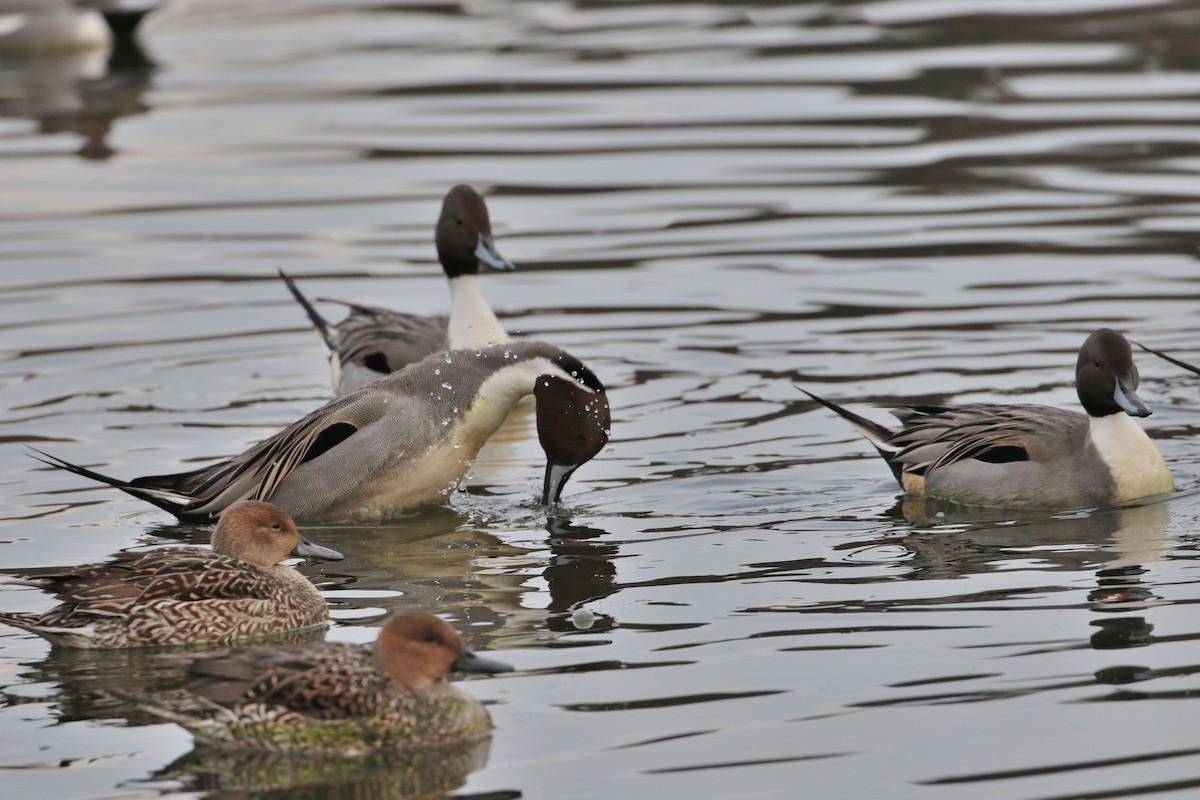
(875, 433)
(166, 499)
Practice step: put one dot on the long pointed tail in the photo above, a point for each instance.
(877, 434)
(1166, 357)
(164, 499)
(327, 332)
(872, 430)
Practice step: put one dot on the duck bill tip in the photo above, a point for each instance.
(489, 256)
(469, 661)
(307, 549)
(1127, 399)
(557, 474)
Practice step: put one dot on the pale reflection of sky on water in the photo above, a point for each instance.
(709, 203)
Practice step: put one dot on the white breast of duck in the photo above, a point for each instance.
(427, 474)
(1137, 468)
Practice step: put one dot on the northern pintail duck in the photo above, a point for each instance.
(188, 595)
(400, 441)
(1030, 456)
(33, 27)
(372, 342)
(334, 697)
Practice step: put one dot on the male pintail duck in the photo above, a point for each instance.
(372, 342)
(188, 595)
(333, 697)
(400, 441)
(1030, 456)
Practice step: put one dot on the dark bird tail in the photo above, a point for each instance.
(1171, 359)
(872, 430)
(327, 332)
(877, 434)
(165, 499)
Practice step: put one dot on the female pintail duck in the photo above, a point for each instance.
(1030, 456)
(372, 342)
(400, 441)
(333, 697)
(188, 595)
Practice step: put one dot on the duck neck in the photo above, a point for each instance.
(472, 321)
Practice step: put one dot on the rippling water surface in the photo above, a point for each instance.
(709, 203)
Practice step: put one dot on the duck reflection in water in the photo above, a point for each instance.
(70, 72)
(580, 570)
(425, 772)
(950, 541)
(447, 560)
(1118, 543)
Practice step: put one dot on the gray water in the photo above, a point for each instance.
(709, 203)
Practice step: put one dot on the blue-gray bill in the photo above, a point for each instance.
(307, 549)
(488, 255)
(468, 661)
(556, 478)
(1127, 399)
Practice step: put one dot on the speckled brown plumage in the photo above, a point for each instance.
(334, 697)
(187, 595)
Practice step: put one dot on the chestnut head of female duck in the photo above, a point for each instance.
(416, 649)
(263, 534)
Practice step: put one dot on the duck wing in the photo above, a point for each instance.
(182, 574)
(325, 680)
(932, 437)
(384, 341)
(201, 494)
